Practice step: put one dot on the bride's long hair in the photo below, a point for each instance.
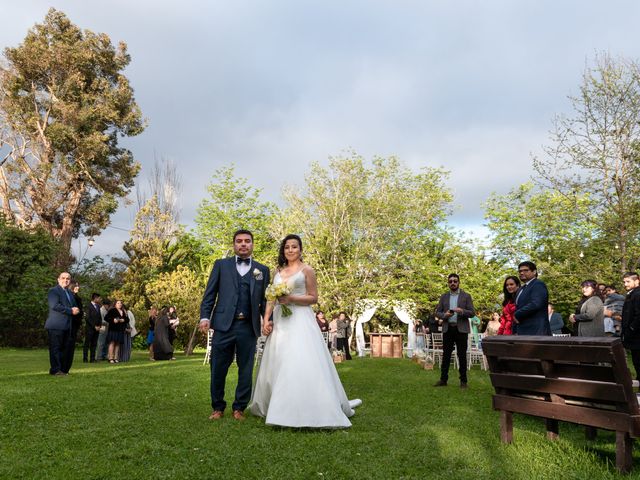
(282, 261)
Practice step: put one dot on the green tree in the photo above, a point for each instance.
(233, 205)
(554, 231)
(594, 151)
(26, 259)
(150, 251)
(370, 229)
(183, 289)
(96, 275)
(64, 103)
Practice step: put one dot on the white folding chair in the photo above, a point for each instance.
(260, 350)
(436, 348)
(207, 356)
(474, 352)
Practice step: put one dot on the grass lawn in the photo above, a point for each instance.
(148, 419)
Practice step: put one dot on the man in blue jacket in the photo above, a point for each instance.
(58, 325)
(531, 303)
(232, 305)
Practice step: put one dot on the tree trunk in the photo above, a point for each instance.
(65, 234)
(192, 340)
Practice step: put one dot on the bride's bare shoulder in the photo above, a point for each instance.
(308, 270)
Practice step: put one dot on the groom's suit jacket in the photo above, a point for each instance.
(221, 295)
(60, 303)
(532, 310)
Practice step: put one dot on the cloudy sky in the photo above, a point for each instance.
(272, 85)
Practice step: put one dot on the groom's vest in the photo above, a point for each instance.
(244, 295)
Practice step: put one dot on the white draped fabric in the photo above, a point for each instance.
(405, 317)
(363, 318)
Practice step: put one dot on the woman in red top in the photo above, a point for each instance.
(510, 289)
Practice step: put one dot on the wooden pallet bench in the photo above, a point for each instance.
(582, 380)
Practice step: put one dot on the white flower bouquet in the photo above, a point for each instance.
(274, 291)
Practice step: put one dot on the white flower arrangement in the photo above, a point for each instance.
(257, 274)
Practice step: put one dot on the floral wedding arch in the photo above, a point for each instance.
(364, 310)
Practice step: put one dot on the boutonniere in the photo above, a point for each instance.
(257, 274)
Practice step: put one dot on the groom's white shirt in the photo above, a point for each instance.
(242, 269)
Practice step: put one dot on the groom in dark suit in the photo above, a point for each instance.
(233, 304)
(58, 325)
(531, 303)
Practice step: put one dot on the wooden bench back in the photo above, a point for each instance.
(577, 379)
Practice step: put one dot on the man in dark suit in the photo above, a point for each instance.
(531, 316)
(630, 329)
(454, 308)
(93, 322)
(233, 304)
(58, 325)
(556, 323)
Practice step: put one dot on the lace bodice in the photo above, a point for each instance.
(296, 283)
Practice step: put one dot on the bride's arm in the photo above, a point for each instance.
(267, 324)
(311, 284)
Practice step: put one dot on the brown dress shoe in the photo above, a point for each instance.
(440, 383)
(216, 415)
(238, 415)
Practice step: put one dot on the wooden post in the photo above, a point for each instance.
(506, 427)
(552, 428)
(624, 446)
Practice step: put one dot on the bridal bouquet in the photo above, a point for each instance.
(274, 291)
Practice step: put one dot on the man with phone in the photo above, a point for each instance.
(454, 308)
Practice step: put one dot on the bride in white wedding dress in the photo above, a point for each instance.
(297, 383)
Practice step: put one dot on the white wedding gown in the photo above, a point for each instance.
(297, 383)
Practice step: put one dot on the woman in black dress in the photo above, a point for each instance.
(162, 349)
(118, 321)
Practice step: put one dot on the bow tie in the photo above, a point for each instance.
(243, 260)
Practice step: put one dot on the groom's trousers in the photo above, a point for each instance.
(239, 340)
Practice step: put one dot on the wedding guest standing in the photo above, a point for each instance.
(129, 333)
(153, 315)
(323, 325)
(343, 332)
(493, 325)
(509, 290)
(613, 304)
(556, 323)
(76, 323)
(433, 324)
(454, 308)
(333, 330)
(58, 325)
(118, 322)
(531, 303)
(588, 320)
(419, 329)
(630, 330)
(162, 348)
(101, 348)
(174, 321)
(93, 322)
